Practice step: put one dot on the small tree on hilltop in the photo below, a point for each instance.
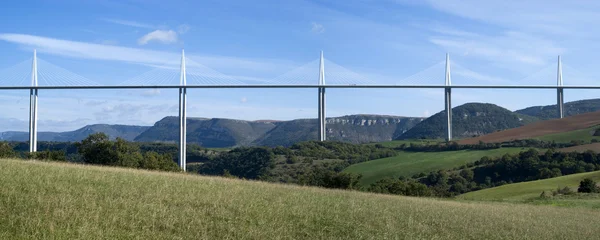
(588, 186)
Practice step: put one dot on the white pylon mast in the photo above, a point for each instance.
(448, 100)
(322, 112)
(33, 108)
(560, 101)
(182, 115)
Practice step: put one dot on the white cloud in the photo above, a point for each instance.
(516, 51)
(95, 51)
(128, 23)
(317, 28)
(244, 100)
(183, 28)
(163, 36)
(151, 92)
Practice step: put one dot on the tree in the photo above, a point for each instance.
(588, 186)
(97, 149)
(6, 151)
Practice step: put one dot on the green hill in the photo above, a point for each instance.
(471, 119)
(213, 132)
(570, 109)
(410, 163)
(527, 190)
(41, 200)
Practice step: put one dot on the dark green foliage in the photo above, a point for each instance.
(48, 155)
(248, 163)
(588, 186)
(324, 177)
(471, 119)
(98, 149)
(400, 187)
(352, 153)
(6, 151)
(526, 166)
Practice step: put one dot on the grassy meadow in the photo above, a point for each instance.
(41, 200)
(411, 163)
(528, 192)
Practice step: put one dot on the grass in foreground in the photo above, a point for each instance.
(526, 191)
(62, 201)
(410, 163)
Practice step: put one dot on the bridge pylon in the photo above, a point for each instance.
(322, 115)
(560, 101)
(33, 106)
(182, 115)
(448, 100)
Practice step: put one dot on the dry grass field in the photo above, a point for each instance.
(41, 200)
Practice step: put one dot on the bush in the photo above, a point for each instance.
(563, 191)
(588, 186)
(6, 151)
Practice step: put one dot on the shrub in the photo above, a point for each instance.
(563, 191)
(588, 186)
(6, 151)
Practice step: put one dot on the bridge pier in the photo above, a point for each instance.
(560, 101)
(183, 116)
(322, 114)
(448, 100)
(33, 106)
(448, 108)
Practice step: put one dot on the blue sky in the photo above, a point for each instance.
(386, 42)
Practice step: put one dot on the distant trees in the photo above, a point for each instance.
(325, 177)
(248, 163)
(400, 187)
(98, 149)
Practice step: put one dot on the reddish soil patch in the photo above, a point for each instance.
(538, 129)
(582, 148)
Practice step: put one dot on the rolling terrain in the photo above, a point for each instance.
(408, 164)
(529, 191)
(570, 109)
(539, 129)
(89, 202)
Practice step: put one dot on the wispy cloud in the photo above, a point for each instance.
(183, 28)
(84, 50)
(162, 36)
(317, 28)
(128, 23)
(151, 93)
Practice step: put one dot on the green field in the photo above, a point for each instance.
(582, 134)
(40, 200)
(527, 190)
(411, 163)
